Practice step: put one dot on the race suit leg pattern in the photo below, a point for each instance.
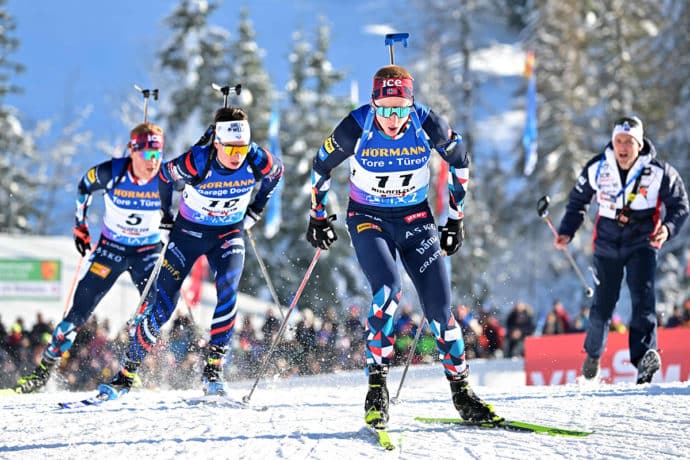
(424, 262)
(376, 254)
(640, 271)
(106, 263)
(178, 260)
(227, 262)
(609, 272)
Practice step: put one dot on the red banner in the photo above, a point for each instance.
(557, 359)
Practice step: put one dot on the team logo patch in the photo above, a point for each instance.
(415, 216)
(329, 145)
(99, 270)
(367, 226)
(91, 175)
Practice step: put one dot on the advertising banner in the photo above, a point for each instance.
(557, 359)
(30, 279)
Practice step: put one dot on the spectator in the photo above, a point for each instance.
(676, 318)
(354, 327)
(270, 326)
(519, 324)
(581, 320)
(492, 336)
(471, 331)
(552, 324)
(562, 315)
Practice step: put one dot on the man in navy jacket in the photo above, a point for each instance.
(630, 184)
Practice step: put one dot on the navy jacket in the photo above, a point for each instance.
(650, 183)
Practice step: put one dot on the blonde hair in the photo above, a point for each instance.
(146, 128)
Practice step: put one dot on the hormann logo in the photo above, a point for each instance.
(227, 183)
(135, 194)
(393, 152)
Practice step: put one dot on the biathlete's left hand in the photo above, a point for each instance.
(251, 217)
(452, 236)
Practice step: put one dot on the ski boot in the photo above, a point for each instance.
(590, 368)
(122, 383)
(471, 408)
(376, 402)
(39, 377)
(647, 367)
(214, 383)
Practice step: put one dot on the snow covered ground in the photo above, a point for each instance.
(321, 418)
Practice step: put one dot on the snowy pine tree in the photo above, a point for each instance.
(311, 113)
(18, 158)
(196, 55)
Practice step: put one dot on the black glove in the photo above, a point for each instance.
(320, 232)
(166, 227)
(82, 239)
(251, 217)
(452, 235)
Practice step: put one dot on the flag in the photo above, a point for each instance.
(273, 216)
(529, 136)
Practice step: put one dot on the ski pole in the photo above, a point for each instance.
(71, 289)
(283, 325)
(390, 42)
(152, 277)
(264, 271)
(422, 323)
(147, 93)
(543, 211)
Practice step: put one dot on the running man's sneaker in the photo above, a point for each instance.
(647, 367)
(376, 402)
(468, 404)
(590, 368)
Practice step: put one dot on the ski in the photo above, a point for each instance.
(97, 400)
(510, 425)
(382, 437)
(105, 393)
(223, 401)
(9, 391)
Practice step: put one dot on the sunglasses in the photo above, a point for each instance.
(151, 154)
(387, 112)
(231, 150)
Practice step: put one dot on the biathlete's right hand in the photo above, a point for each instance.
(82, 239)
(166, 227)
(320, 232)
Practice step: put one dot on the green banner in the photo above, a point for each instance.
(30, 279)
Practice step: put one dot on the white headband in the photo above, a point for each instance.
(233, 131)
(626, 128)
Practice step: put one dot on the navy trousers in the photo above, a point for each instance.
(639, 267)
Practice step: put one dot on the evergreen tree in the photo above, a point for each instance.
(196, 55)
(248, 70)
(18, 158)
(312, 112)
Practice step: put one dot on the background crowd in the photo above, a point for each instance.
(312, 345)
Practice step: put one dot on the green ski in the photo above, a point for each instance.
(510, 425)
(382, 437)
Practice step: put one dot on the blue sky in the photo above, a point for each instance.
(78, 52)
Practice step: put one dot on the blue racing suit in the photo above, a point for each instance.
(389, 219)
(129, 241)
(209, 223)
